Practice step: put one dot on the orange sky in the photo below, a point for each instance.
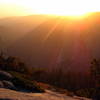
(57, 7)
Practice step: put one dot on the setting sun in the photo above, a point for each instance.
(63, 7)
(53, 7)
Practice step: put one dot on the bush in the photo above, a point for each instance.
(89, 93)
(21, 82)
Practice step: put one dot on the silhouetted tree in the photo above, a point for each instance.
(95, 72)
(2, 60)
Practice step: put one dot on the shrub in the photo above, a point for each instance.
(21, 82)
(89, 93)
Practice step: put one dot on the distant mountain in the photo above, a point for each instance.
(61, 42)
(13, 28)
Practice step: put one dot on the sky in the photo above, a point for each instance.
(60, 7)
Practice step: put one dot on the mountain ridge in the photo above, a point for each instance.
(64, 37)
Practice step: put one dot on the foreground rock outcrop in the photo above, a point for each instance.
(16, 81)
(5, 75)
(6, 94)
(5, 80)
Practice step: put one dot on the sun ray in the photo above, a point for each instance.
(51, 31)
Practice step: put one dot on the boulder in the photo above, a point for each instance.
(1, 84)
(5, 75)
(8, 85)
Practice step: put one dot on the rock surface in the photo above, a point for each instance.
(6, 94)
(1, 84)
(8, 85)
(5, 75)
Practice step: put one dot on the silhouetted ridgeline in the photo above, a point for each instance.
(56, 41)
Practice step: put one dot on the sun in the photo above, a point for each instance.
(57, 7)
(63, 7)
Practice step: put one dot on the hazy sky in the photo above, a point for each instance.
(13, 8)
(27, 7)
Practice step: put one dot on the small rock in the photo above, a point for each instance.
(9, 85)
(1, 85)
(5, 75)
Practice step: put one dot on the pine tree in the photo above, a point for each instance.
(95, 71)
